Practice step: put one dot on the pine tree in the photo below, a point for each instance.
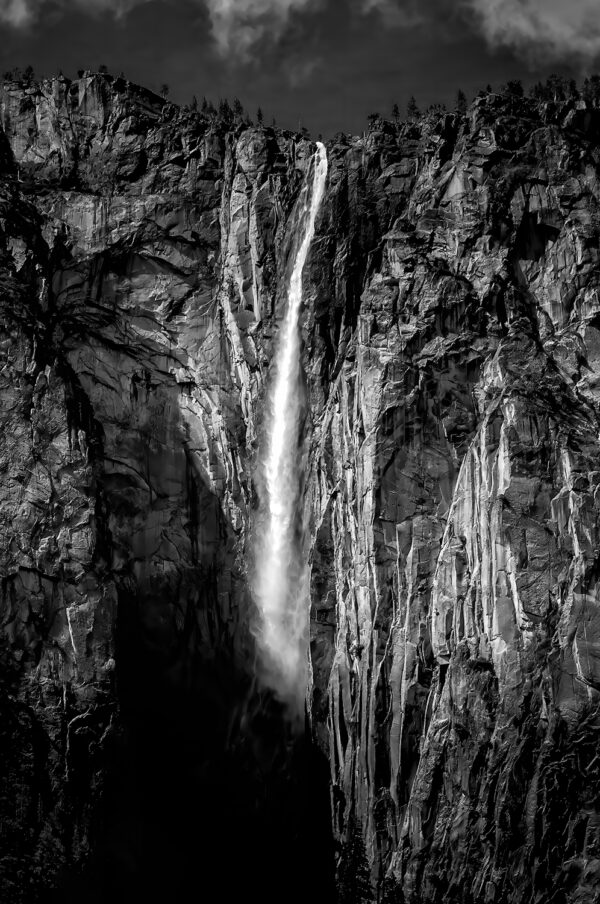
(557, 87)
(412, 110)
(225, 111)
(259, 116)
(395, 112)
(591, 89)
(514, 87)
(539, 92)
(238, 110)
(461, 102)
(354, 875)
(164, 90)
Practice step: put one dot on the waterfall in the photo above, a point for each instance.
(280, 585)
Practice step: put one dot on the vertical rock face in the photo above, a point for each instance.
(451, 347)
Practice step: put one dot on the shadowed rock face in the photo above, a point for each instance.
(451, 337)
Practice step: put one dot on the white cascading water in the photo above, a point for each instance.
(280, 585)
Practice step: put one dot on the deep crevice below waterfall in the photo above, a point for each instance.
(280, 580)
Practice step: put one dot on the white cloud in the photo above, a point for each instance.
(552, 29)
(15, 12)
(396, 14)
(299, 70)
(238, 25)
(21, 13)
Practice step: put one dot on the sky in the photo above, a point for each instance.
(323, 64)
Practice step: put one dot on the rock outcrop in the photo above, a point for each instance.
(451, 338)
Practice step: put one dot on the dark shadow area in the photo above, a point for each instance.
(207, 795)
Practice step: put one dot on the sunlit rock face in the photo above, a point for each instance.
(450, 353)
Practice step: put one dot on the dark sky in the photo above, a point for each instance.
(331, 65)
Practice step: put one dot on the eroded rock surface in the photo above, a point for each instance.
(451, 351)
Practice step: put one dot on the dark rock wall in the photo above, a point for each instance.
(451, 351)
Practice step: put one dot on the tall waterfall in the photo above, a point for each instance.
(280, 585)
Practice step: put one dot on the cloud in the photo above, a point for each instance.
(238, 25)
(299, 70)
(21, 13)
(546, 29)
(16, 12)
(396, 14)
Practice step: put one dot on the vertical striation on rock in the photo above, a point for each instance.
(455, 541)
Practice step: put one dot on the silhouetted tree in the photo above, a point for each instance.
(461, 102)
(103, 69)
(354, 875)
(591, 89)
(194, 104)
(225, 111)
(539, 92)
(412, 110)
(259, 116)
(395, 112)
(238, 109)
(204, 107)
(164, 90)
(557, 87)
(28, 74)
(514, 87)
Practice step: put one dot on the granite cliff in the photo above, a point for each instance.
(451, 353)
